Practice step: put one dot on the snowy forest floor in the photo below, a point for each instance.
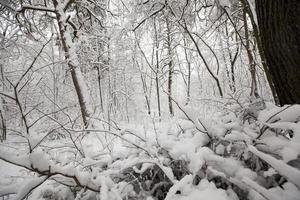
(247, 151)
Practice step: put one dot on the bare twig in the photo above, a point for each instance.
(151, 15)
(264, 128)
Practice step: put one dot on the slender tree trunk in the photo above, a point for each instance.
(126, 95)
(115, 99)
(100, 88)
(226, 63)
(203, 59)
(157, 71)
(2, 125)
(100, 47)
(187, 58)
(279, 26)
(254, 91)
(72, 61)
(157, 94)
(2, 106)
(170, 80)
(144, 84)
(55, 74)
(150, 88)
(109, 92)
(232, 59)
(170, 72)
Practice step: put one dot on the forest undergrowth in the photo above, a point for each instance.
(248, 150)
(149, 100)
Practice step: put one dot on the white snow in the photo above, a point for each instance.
(261, 190)
(39, 160)
(205, 190)
(290, 173)
(22, 189)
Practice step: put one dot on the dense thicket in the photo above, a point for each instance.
(149, 99)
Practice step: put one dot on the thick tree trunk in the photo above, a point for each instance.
(279, 26)
(246, 5)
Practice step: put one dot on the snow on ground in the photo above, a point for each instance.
(9, 173)
(218, 155)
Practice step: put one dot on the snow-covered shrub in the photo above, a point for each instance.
(56, 192)
(249, 150)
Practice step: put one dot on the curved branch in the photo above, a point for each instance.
(202, 57)
(36, 8)
(154, 13)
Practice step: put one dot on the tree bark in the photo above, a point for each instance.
(76, 74)
(279, 26)
(252, 69)
(187, 58)
(157, 71)
(100, 88)
(246, 5)
(170, 71)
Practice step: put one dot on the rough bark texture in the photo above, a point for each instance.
(251, 15)
(279, 26)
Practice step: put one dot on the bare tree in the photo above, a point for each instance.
(67, 26)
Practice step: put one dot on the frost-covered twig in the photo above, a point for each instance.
(22, 190)
(261, 190)
(7, 96)
(123, 132)
(49, 170)
(117, 135)
(70, 134)
(192, 120)
(45, 114)
(151, 15)
(290, 173)
(37, 8)
(265, 127)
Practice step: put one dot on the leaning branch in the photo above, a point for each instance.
(33, 62)
(192, 120)
(36, 8)
(154, 13)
